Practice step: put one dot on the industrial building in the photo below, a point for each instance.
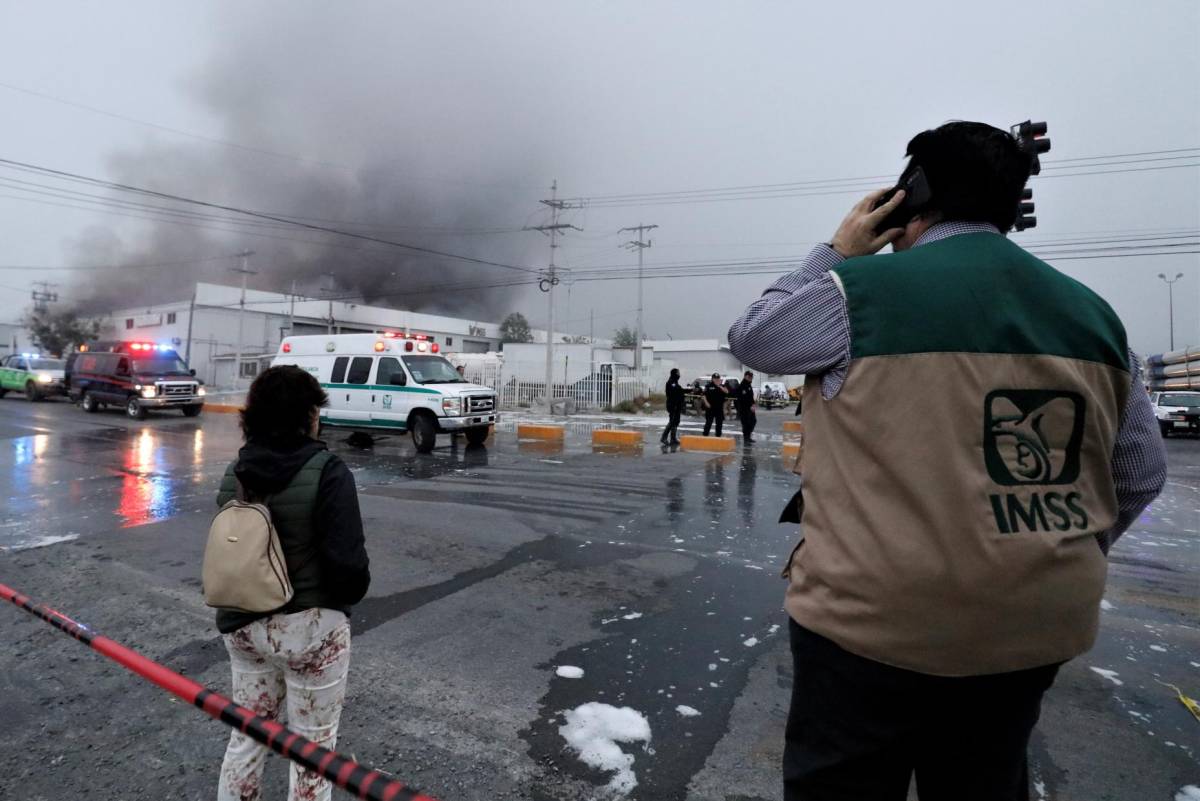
(213, 333)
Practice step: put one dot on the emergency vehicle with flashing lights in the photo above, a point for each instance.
(32, 374)
(136, 376)
(392, 382)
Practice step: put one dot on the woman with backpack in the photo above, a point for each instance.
(297, 654)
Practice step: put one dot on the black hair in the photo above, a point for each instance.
(674, 372)
(280, 404)
(975, 171)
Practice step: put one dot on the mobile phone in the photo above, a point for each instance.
(916, 196)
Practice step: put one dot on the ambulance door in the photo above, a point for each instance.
(393, 403)
(358, 390)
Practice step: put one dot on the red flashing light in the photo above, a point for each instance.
(390, 334)
(287, 347)
(408, 346)
(420, 336)
(434, 347)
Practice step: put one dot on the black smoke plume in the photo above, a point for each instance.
(352, 122)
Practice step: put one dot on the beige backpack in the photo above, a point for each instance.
(244, 569)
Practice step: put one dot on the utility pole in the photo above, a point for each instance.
(44, 297)
(246, 272)
(1170, 282)
(549, 278)
(292, 310)
(329, 291)
(640, 246)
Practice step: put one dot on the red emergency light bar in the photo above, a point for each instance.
(399, 335)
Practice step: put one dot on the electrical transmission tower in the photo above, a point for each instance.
(44, 297)
(549, 277)
(640, 246)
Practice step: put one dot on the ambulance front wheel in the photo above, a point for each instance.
(424, 433)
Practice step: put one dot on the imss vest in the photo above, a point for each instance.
(953, 488)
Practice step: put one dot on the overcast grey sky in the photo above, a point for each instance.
(458, 116)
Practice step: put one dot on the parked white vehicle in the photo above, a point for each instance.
(1177, 412)
(392, 382)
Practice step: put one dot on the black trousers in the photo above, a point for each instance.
(858, 729)
(749, 420)
(672, 428)
(713, 414)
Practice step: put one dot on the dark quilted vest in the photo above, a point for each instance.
(292, 513)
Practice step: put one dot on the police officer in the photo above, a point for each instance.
(674, 394)
(715, 393)
(743, 401)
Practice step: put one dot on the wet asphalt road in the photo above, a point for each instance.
(654, 572)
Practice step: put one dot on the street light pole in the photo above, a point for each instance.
(1170, 282)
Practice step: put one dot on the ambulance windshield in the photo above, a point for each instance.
(432, 370)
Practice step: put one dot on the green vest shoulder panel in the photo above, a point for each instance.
(975, 293)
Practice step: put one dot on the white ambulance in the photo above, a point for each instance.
(392, 382)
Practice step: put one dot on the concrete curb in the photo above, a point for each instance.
(692, 442)
(616, 436)
(529, 431)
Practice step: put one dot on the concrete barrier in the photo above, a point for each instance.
(693, 442)
(530, 431)
(793, 427)
(615, 436)
(790, 450)
(221, 408)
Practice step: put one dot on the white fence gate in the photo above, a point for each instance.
(600, 386)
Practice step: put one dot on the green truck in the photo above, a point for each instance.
(33, 375)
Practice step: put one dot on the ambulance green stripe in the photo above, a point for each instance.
(339, 421)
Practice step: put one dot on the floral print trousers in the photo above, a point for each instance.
(300, 659)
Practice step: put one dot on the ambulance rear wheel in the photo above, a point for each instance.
(477, 435)
(424, 433)
(89, 403)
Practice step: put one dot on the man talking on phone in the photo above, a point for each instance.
(977, 435)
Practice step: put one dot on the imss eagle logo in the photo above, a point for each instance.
(1032, 438)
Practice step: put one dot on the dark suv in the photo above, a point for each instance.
(137, 376)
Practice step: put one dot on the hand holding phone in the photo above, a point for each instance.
(857, 235)
(916, 196)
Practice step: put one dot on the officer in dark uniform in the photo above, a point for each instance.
(743, 401)
(674, 394)
(715, 393)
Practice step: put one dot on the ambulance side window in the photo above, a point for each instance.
(360, 370)
(339, 369)
(389, 369)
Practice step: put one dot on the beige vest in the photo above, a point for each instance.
(951, 505)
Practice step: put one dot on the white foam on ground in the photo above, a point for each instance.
(41, 542)
(687, 711)
(750, 643)
(569, 672)
(594, 730)
(632, 616)
(1189, 793)
(1106, 606)
(1111, 675)
(1158, 648)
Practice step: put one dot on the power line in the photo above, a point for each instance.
(256, 214)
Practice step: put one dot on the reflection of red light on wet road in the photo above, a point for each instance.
(145, 493)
